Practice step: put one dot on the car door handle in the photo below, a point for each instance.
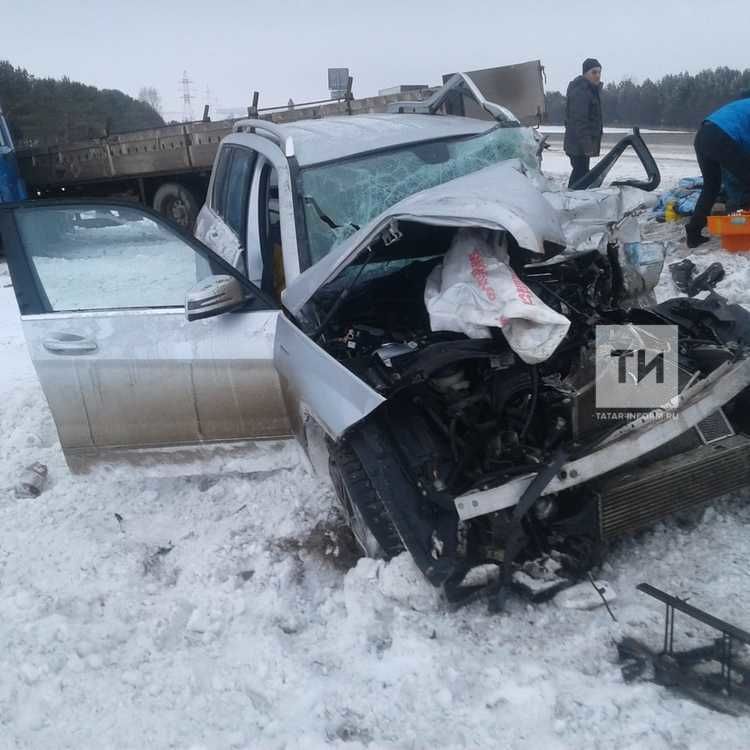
(69, 343)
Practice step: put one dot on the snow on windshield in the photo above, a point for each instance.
(349, 193)
(107, 259)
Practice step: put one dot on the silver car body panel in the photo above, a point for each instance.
(631, 442)
(318, 386)
(224, 457)
(496, 197)
(139, 378)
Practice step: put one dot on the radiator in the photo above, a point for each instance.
(640, 497)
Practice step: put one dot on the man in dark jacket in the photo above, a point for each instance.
(583, 119)
(722, 142)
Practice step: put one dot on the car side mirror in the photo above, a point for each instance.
(213, 296)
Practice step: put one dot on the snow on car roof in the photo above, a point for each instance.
(331, 138)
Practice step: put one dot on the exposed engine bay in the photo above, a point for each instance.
(466, 414)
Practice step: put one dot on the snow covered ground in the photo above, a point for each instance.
(208, 612)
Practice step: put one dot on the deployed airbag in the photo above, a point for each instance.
(474, 289)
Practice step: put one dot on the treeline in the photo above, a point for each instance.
(675, 101)
(44, 111)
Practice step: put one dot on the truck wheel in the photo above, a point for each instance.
(367, 516)
(176, 203)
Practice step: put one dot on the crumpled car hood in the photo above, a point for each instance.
(584, 213)
(503, 196)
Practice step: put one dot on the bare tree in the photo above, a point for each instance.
(149, 95)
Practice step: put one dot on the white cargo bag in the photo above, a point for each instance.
(475, 289)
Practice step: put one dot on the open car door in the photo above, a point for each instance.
(101, 286)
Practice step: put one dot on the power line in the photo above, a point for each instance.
(187, 98)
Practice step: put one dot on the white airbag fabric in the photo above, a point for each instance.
(474, 289)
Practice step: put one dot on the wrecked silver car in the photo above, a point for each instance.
(480, 453)
(409, 296)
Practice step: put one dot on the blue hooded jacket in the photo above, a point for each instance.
(12, 187)
(734, 120)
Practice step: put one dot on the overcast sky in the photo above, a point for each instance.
(283, 48)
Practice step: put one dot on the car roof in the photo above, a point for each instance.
(331, 138)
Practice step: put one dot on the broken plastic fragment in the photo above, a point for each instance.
(585, 596)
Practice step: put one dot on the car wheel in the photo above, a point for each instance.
(367, 516)
(176, 203)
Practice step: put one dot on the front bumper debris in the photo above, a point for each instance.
(631, 442)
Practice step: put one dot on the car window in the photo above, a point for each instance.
(218, 195)
(237, 178)
(107, 258)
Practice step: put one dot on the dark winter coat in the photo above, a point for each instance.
(583, 118)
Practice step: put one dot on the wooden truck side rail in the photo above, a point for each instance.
(168, 150)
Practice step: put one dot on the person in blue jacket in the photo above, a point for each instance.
(722, 142)
(12, 187)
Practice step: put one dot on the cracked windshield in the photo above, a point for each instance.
(342, 196)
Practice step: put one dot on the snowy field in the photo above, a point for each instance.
(212, 615)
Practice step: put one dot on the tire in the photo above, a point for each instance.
(177, 204)
(367, 516)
